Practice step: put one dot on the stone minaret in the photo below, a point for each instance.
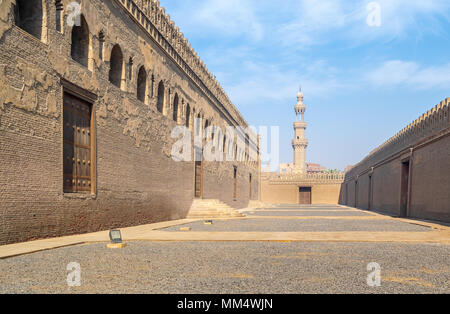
(300, 143)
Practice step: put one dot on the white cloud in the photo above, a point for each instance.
(322, 21)
(395, 73)
(231, 17)
(270, 84)
(225, 18)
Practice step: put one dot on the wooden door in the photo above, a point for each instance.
(77, 145)
(250, 187)
(305, 196)
(235, 183)
(198, 179)
(404, 190)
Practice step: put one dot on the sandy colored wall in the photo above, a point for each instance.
(279, 194)
(289, 194)
(325, 194)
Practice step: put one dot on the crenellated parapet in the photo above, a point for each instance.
(430, 123)
(301, 179)
(153, 18)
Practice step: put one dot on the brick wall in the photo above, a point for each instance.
(289, 193)
(425, 143)
(137, 182)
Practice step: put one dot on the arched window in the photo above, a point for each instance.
(116, 66)
(175, 108)
(188, 115)
(142, 84)
(205, 129)
(160, 104)
(198, 124)
(80, 43)
(28, 16)
(224, 142)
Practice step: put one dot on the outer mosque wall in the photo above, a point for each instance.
(409, 175)
(285, 189)
(133, 178)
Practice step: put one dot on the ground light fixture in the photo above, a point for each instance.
(115, 237)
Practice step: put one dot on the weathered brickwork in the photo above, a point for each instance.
(135, 180)
(409, 174)
(285, 189)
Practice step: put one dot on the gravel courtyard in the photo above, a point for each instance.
(241, 267)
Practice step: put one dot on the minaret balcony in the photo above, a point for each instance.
(300, 124)
(300, 143)
(300, 108)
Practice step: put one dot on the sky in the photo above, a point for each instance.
(367, 68)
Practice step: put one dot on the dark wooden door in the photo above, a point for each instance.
(250, 187)
(235, 183)
(305, 196)
(77, 145)
(404, 190)
(198, 179)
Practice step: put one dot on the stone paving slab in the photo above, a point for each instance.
(442, 237)
(307, 224)
(301, 210)
(308, 213)
(328, 208)
(103, 236)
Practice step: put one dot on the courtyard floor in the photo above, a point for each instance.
(281, 249)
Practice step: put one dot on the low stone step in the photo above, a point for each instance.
(212, 209)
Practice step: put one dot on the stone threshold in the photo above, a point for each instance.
(16, 249)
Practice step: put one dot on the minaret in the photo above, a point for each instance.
(300, 143)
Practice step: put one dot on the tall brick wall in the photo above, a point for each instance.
(137, 181)
(425, 143)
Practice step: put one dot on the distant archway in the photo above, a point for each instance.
(175, 108)
(28, 15)
(116, 66)
(142, 84)
(188, 115)
(160, 104)
(80, 43)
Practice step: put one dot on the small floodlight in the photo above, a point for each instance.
(115, 236)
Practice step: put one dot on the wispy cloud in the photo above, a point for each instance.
(262, 50)
(225, 18)
(261, 83)
(397, 73)
(324, 21)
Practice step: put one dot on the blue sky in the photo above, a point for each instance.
(362, 84)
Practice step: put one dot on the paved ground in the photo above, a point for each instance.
(269, 252)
